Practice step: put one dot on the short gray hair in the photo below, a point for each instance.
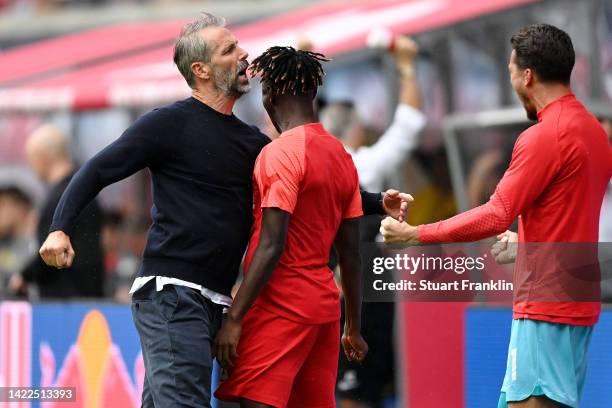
(191, 47)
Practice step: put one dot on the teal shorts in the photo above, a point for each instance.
(546, 359)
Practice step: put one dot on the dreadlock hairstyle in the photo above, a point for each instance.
(286, 69)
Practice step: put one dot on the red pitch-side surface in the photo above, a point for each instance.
(431, 339)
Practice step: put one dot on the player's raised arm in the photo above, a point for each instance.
(382, 159)
(140, 146)
(534, 164)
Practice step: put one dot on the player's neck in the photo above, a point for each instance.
(294, 116)
(549, 93)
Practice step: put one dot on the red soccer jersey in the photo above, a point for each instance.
(307, 173)
(555, 183)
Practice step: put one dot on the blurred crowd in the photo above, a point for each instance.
(112, 249)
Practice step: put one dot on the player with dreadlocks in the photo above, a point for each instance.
(290, 71)
(306, 199)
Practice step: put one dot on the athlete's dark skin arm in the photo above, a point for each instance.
(275, 223)
(347, 246)
(274, 226)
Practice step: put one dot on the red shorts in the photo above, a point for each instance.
(283, 363)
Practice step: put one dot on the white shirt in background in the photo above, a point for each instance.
(377, 162)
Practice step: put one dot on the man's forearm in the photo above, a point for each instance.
(409, 92)
(405, 57)
(81, 190)
(133, 151)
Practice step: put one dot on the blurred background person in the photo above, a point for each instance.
(16, 243)
(49, 156)
(381, 160)
(363, 385)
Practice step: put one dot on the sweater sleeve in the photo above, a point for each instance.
(371, 203)
(534, 165)
(141, 145)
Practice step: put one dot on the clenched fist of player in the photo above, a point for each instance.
(226, 344)
(57, 250)
(394, 231)
(355, 347)
(504, 250)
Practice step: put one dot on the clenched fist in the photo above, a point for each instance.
(395, 232)
(504, 250)
(355, 347)
(405, 49)
(57, 250)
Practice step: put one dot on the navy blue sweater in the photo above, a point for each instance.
(201, 163)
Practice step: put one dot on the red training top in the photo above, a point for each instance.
(307, 173)
(555, 183)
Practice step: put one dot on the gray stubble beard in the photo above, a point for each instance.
(229, 84)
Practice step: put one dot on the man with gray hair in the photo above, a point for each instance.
(192, 47)
(201, 159)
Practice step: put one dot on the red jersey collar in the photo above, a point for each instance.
(542, 112)
(316, 126)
